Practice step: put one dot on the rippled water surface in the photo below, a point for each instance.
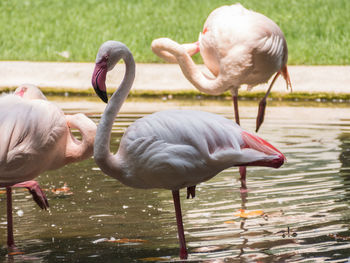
(94, 218)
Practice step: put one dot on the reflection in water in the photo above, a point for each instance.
(94, 218)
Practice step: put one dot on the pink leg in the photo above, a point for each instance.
(262, 105)
(38, 194)
(242, 169)
(235, 107)
(243, 172)
(10, 239)
(180, 227)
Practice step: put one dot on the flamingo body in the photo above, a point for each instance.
(29, 139)
(35, 137)
(238, 46)
(244, 46)
(174, 149)
(169, 149)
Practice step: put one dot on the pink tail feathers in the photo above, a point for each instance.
(256, 143)
(285, 75)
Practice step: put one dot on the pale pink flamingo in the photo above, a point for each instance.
(36, 137)
(170, 149)
(238, 46)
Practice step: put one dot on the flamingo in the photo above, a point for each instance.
(238, 46)
(35, 137)
(170, 149)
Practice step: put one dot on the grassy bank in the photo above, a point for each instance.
(317, 31)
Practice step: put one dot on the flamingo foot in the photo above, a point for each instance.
(183, 253)
(191, 191)
(261, 114)
(37, 193)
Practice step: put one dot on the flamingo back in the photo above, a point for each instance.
(177, 148)
(245, 46)
(30, 130)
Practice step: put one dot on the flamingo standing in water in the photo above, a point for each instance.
(35, 137)
(170, 149)
(238, 46)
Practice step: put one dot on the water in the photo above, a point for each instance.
(95, 218)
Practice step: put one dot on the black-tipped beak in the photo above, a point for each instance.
(101, 94)
(98, 80)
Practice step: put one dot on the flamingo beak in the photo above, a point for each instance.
(99, 80)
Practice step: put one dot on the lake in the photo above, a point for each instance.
(297, 213)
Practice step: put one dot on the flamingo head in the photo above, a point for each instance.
(107, 57)
(29, 91)
(99, 78)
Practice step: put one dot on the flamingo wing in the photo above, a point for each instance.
(176, 148)
(29, 131)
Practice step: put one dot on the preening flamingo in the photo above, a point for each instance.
(35, 137)
(170, 149)
(238, 46)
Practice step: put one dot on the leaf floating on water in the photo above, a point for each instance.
(245, 214)
(100, 240)
(65, 190)
(119, 240)
(230, 222)
(14, 253)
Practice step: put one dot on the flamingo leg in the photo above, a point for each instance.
(242, 169)
(243, 173)
(10, 239)
(262, 104)
(191, 191)
(235, 107)
(180, 227)
(37, 193)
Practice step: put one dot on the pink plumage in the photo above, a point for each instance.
(238, 46)
(170, 149)
(35, 137)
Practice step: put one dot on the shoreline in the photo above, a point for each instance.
(325, 83)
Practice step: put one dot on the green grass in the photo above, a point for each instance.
(317, 31)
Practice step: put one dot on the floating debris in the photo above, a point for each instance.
(245, 214)
(14, 253)
(65, 190)
(119, 240)
(230, 222)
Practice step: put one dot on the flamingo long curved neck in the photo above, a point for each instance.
(77, 150)
(108, 162)
(213, 86)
